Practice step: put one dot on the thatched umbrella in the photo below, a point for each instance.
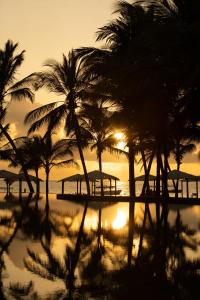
(179, 175)
(7, 174)
(183, 176)
(93, 177)
(142, 178)
(150, 178)
(8, 177)
(74, 178)
(96, 175)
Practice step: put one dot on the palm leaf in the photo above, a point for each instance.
(22, 94)
(53, 119)
(38, 112)
(68, 162)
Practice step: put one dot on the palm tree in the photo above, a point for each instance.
(96, 120)
(156, 80)
(65, 79)
(42, 152)
(31, 150)
(11, 90)
(130, 61)
(58, 154)
(180, 149)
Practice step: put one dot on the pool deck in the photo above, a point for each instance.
(140, 199)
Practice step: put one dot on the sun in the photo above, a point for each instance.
(121, 144)
(119, 136)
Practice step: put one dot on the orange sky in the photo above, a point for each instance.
(46, 29)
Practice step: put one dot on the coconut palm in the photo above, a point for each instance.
(131, 60)
(96, 120)
(180, 149)
(31, 150)
(11, 90)
(42, 152)
(64, 79)
(156, 80)
(54, 154)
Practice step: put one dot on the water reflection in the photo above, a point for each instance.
(40, 242)
(120, 221)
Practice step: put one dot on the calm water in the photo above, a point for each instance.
(37, 246)
(70, 187)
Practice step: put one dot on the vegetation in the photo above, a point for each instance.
(144, 80)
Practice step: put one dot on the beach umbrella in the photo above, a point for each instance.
(142, 178)
(74, 178)
(97, 175)
(21, 176)
(7, 174)
(178, 175)
(8, 177)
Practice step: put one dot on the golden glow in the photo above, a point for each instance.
(121, 145)
(119, 136)
(61, 133)
(13, 130)
(105, 224)
(120, 220)
(121, 140)
(91, 222)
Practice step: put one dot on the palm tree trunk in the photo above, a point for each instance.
(78, 139)
(37, 182)
(146, 181)
(176, 183)
(164, 175)
(147, 172)
(47, 185)
(6, 134)
(158, 168)
(100, 169)
(131, 158)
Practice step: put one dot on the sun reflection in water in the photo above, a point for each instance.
(120, 220)
(91, 222)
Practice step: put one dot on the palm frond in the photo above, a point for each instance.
(51, 82)
(52, 119)
(21, 290)
(117, 151)
(68, 162)
(22, 94)
(38, 112)
(28, 81)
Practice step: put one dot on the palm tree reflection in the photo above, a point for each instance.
(159, 262)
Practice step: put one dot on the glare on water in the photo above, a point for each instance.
(120, 220)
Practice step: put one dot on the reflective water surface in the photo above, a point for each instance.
(123, 252)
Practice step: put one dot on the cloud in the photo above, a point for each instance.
(16, 114)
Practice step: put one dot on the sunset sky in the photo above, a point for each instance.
(46, 29)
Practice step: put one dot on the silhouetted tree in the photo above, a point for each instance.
(11, 90)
